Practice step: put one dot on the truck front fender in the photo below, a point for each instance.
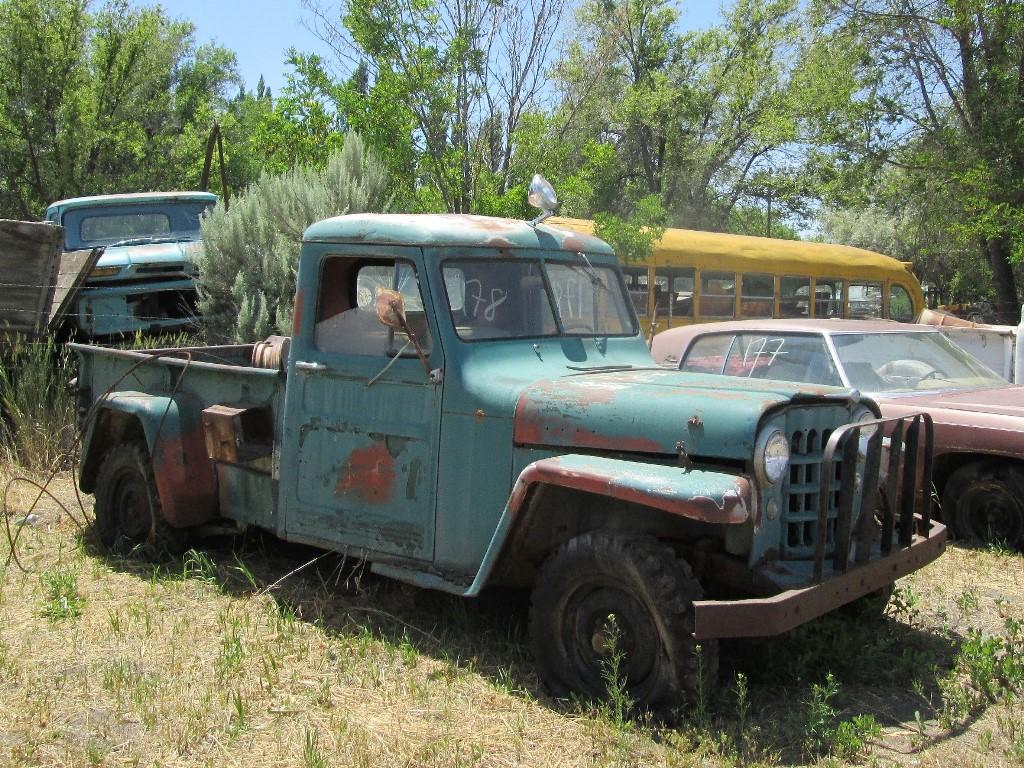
(172, 430)
(718, 498)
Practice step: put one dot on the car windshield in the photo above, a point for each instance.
(909, 362)
(497, 299)
(127, 224)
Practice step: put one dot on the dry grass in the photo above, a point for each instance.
(197, 662)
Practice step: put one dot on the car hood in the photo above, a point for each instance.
(1003, 401)
(652, 411)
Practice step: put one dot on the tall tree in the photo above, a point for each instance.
(97, 101)
(461, 74)
(951, 83)
(715, 123)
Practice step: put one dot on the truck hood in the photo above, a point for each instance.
(175, 255)
(650, 411)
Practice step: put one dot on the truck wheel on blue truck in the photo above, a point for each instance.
(469, 402)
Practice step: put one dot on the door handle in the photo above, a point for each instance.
(302, 365)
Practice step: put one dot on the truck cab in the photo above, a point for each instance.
(468, 402)
(145, 278)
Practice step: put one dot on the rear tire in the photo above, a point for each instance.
(129, 519)
(984, 504)
(649, 591)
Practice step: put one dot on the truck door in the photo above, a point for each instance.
(359, 461)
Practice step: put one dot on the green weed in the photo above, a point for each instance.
(199, 566)
(613, 672)
(61, 599)
(824, 733)
(37, 428)
(312, 757)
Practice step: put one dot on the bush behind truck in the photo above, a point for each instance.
(469, 402)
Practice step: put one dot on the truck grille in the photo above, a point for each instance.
(807, 441)
(855, 518)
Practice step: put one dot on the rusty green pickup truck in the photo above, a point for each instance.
(468, 402)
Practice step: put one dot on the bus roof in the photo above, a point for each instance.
(745, 253)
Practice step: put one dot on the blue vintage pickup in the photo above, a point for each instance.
(145, 279)
(469, 401)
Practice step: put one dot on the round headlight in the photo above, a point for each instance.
(866, 433)
(771, 456)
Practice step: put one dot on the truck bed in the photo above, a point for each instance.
(206, 394)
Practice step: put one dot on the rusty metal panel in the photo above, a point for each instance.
(764, 617)
(29, 258)
(721, 498)
(239, 434)
(73, 271)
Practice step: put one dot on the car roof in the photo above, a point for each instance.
(670, 343)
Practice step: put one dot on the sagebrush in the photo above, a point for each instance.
(251, 252)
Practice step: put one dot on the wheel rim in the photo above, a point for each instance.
(590, 638)
(130, 501)
(990, 513)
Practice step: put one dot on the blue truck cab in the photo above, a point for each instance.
(468, 402)
(145, 278)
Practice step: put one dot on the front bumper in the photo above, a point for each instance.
(763, 617)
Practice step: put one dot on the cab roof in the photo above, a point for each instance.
(132, 197)
(440, 230)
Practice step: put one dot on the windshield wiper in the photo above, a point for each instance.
(593, 368)
(142, 241)
(590, 271)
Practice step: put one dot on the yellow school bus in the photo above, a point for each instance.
(695, 277)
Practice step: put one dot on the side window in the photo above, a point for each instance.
(636, 284)
(828, 297)
(794, 297)
(865, 300)
(758, 296)
(673, 290)
(717, 294)
(901, 307)
(346, 308)
(707, 354)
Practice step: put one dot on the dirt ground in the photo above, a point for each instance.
(250, 652)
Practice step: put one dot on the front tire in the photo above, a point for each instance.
(128, 515)
(984, 504)
(650, 594)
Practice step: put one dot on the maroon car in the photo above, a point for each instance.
(979, 418)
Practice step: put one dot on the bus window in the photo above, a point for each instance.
(865, 300)
(674, 291)
(794, 295)
(757, 298)
(828, 297)
(636, 284)
(901, 307)
(717, 294)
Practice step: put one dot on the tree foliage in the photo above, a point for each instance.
(950, 106)
(251, 251)
(111, 99)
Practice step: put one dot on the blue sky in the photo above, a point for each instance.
(261, 31)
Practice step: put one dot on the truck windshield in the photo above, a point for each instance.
(132, 224)
(500, 299)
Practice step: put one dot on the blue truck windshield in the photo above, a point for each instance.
(498, 299)
(128, 224)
